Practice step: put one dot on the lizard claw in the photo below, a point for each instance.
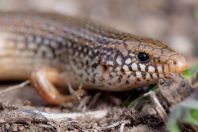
(80, 93)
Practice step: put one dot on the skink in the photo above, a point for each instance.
(54, 50)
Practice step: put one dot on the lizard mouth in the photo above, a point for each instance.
(176, 64)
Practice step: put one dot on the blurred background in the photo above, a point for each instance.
(172, 21)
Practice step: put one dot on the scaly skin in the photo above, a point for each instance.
(93, 55)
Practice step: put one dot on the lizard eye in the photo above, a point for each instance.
(143, 57)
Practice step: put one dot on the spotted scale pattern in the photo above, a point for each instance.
(96, 56)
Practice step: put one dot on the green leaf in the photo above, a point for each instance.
(185, 112)
(173, 127)
(187, 74)
(192, 117)
(191, 71)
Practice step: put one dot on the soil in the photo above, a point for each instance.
(97, 111)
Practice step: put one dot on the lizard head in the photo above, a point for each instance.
(141, 61)
(153, 56)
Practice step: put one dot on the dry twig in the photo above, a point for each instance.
(18, 86)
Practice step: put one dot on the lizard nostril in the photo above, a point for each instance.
(181, 64)
(178, 64)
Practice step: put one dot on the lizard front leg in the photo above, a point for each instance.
(45, 81)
